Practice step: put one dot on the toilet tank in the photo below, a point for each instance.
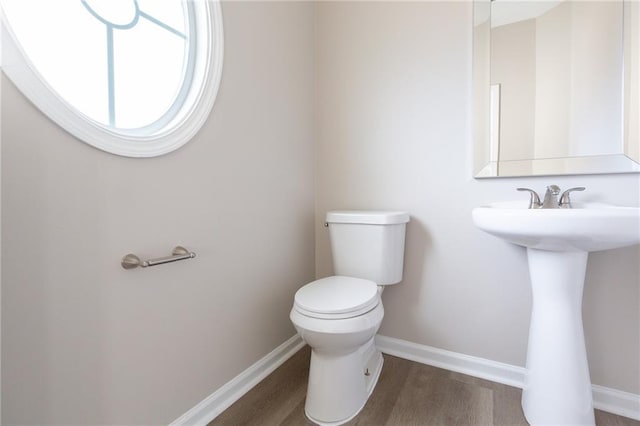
(368, 244)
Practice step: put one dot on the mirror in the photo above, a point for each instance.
(556, 87)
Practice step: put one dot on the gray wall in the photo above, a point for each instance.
(86, 342)
(394, 132)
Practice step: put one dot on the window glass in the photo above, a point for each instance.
(131, 67)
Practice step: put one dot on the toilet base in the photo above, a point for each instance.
(336, 398)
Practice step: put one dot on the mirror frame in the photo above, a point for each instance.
(486, 161)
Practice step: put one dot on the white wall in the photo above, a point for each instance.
(596, 78)
(553, 97)
(86, 342)
(632, 80)
(513, 66)
(578, 101)
(561, 82)
(394, 132)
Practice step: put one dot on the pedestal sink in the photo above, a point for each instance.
(557, 387)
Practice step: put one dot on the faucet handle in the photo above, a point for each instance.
(534, 201)
(565, 199)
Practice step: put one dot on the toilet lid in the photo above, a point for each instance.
(337, 297)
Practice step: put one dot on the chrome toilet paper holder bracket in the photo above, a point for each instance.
(131, 261)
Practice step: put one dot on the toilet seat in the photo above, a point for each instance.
(337, 297)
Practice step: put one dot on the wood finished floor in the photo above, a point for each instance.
(407, 393)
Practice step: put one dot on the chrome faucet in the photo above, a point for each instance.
(551, 200)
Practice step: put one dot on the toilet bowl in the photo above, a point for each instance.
(339, 316)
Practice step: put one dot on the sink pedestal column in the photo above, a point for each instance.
(557, 387)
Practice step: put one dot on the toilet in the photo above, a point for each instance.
(338, 316)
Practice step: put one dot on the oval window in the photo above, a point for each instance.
(132, 77)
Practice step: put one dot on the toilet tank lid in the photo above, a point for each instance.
(368, 217)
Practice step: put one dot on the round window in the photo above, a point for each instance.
(132, 77)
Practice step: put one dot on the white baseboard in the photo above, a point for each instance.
(617, 402)
(605, 399)
(473, 366)
(220, 400)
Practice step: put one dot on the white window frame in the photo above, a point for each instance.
(195, 110)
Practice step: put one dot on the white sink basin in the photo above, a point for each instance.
(557, 388)
(585, 227)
